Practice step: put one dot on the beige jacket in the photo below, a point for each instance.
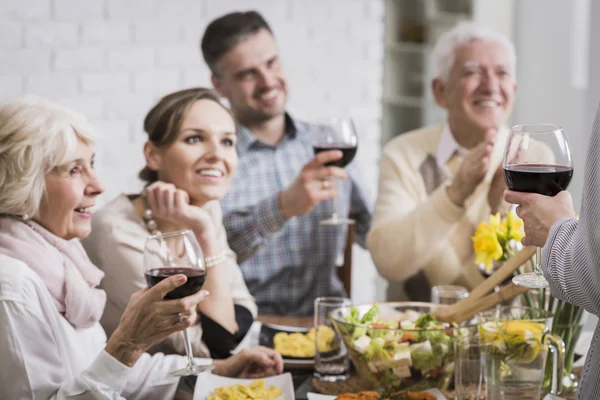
(416, 227)
(116, 246)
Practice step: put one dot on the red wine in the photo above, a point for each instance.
(538, 178)
(348, 152)
(195, 280)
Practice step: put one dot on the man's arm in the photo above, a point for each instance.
(248, 229)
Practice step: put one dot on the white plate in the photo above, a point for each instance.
(315, 396)
(208, 382)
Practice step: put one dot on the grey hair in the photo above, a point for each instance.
(36, 136)
(462, 33)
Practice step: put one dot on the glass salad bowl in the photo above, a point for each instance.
(398, 345)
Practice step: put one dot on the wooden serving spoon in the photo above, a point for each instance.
(479, 299)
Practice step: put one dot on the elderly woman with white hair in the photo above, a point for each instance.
(51, 342)
(437, 183)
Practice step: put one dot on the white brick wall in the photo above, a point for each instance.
(111, 59)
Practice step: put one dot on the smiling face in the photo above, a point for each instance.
(71, 191)
(202, 158)
(480, 90)
(251, 77)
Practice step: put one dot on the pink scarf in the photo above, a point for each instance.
(63, 265)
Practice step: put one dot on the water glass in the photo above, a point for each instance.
(518, 342)
(468, 368)
(331, 356)
(448, 294)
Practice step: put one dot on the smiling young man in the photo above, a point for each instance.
(279, 192)
(438, 183)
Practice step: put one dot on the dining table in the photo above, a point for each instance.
(303, 378)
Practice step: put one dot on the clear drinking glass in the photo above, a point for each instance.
(468, 368)
(537, 159)
(331, 356)
(170, 254)
(336, 134)
(448, 294)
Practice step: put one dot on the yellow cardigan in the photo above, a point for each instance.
(415, 226)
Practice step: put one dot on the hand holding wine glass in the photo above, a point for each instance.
(148, 319)
(171, 254)
(308, 189)
(537, 159)
(540, 212)
(336, 134)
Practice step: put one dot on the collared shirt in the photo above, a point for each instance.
(448, 147)
(286, 264)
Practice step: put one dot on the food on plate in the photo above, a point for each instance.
(393, 349)
(255, 390)
(299, 344)
(400, 395)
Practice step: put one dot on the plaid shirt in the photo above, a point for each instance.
(286, 264)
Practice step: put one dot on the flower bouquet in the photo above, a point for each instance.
(496, 240)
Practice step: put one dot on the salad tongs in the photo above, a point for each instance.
(479, 299)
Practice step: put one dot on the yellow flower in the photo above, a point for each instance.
(511, 228)
(495, 221)
(486, 245)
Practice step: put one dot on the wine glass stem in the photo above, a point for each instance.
(538, 261)
(334, 215)
(188, 349)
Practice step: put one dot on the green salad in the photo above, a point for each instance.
(410, 349)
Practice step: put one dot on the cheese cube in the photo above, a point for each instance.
(362, 344)
(403, 358)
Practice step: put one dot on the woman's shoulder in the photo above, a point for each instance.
(117, 220)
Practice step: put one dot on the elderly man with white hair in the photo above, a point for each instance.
(437, 183)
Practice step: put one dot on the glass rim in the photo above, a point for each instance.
(545, 127)
(169, 234)
(333, 301)
(339, 319)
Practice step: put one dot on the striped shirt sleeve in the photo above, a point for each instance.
(571, 255)
(571, 260)
(247, 229)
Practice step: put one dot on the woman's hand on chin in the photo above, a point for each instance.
(148, 319)
(171, 204)
(257, 362)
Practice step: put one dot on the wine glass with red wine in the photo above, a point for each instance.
(336, 134)
(168, 254)
(537, 159)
